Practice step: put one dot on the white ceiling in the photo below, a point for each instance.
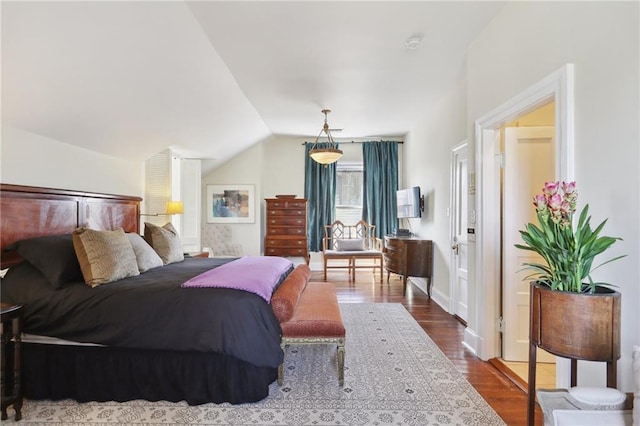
(211, 78)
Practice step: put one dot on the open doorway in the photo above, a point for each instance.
(527, 147)
(556, 88)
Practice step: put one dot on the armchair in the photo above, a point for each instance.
(217, 238)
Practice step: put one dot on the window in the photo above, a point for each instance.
(349, 192)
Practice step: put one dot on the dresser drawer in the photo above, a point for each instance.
(287, 212)
(279, 251)
(292, 230)
(286, 204)
(392, 264)
(393, 243)
(287, 221)
(286, 242)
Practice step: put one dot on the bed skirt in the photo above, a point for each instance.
(92, 373)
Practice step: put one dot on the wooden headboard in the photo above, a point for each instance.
(28, 211)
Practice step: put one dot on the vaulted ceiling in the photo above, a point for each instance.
(211, 78)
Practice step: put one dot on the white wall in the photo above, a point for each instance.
(526, 42)
(427, 158)
(243, 169)
(30, 159)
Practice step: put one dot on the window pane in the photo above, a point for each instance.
(349, 194)
(349, 188)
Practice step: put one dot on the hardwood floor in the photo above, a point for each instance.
(446, 331)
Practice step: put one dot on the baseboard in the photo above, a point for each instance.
(471, 341)
(440, 298)
(437, 296)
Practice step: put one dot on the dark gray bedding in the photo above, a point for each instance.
(150, 311)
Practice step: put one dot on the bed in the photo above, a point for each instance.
(140, 337)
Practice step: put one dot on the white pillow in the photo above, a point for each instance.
(354, 244)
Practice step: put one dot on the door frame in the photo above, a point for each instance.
(557, 87)
(453, 285)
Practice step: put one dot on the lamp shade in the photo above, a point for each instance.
(325, 155)
(175, 207)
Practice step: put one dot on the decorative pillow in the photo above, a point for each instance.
(285, 298)
(146, 256)
(165, 241)
(53, 255)
(354, 244)
(104, 256)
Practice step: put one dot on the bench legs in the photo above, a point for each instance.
(341, 362)
(340, 355)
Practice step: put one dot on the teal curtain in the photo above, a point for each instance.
(320, 191)
(380, 183)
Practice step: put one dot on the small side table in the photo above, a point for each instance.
(11, 390)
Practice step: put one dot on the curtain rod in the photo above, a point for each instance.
(304, 143)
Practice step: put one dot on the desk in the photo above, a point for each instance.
(10, 388)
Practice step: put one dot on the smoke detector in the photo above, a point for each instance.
(413, 42)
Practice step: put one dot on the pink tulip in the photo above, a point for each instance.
(568, 188)
(540, 201)
(551, 188)
(555, 202)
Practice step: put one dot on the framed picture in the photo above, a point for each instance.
(230, 204)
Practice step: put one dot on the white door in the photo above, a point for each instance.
(459, 197)
(529, 162)
(190, 182)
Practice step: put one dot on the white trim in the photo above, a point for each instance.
(471, 340)
(558, 87)
(440, 298)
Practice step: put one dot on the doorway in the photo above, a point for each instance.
(528, 162)
(458, 213)
(557, 88)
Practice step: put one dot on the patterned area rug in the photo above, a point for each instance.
(394, 375)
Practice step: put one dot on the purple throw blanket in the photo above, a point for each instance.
(255, 274)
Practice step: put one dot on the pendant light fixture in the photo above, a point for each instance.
(325, 155)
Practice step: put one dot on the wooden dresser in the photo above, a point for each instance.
(286, 228)
(409, 257)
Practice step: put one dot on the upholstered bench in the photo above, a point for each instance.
(309, 314)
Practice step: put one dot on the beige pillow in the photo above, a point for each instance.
(146, 256)
(165, 241)
(104, 256)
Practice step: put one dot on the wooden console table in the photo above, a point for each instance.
(409, 257)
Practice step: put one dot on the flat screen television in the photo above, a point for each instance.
(409, 202)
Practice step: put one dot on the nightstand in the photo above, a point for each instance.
(10, 389)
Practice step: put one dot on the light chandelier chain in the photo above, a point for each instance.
(325, 128)
(325, 155)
